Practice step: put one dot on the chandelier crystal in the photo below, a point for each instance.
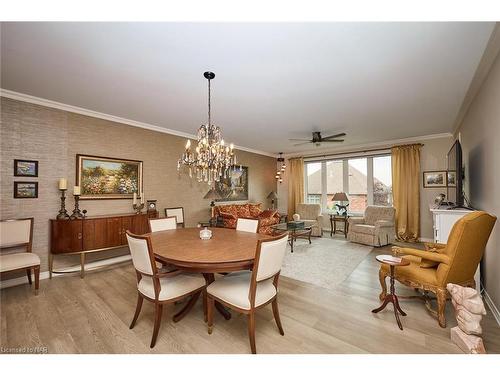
(211, 159)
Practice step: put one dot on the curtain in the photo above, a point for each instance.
(295, 184)
(406, 191)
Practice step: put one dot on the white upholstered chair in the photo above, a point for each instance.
(375, 228)
(160, 287)
(178, 212)
(310, 214)
(247, 291)
(18, 233)
(247, 225)
(165, 223)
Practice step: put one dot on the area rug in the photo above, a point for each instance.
(326, 262)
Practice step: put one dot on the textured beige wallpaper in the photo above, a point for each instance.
(54, 137)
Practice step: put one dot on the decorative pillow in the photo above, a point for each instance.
(267, 214)
(242, 210)
(255, 209)
(228, 220)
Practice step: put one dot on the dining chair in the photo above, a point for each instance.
(247, 291)
(160, 287)
(178, 212)
(247, 225)
(18, 233)
(164, 223)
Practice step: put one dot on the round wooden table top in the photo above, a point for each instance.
(227, 250)
(392, 260)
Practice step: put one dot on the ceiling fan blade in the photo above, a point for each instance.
(302, 143)
(334, 136)
(298, 139)
(332, 140)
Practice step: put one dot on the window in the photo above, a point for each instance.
(366, 180)
(382, 181)
(313, 183)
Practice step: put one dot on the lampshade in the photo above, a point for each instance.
(340, 197)
(212, 194)
(272, 195)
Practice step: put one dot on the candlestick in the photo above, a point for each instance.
(63, 214)
(77, 214)
(138, 207)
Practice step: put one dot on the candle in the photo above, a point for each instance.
(142, 197)
(188, 144)
(76, 190)
(63, 184)
(135, 198)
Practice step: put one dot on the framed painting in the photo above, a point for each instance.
(25, 189)
(25, 168)
(235, 186)
(435, 179)
(108, 178)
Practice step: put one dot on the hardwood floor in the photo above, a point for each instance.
(71, 315)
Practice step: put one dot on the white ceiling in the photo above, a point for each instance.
(374, 81)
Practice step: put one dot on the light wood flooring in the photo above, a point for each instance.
(71, 315)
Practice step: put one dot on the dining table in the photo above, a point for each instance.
(228, 250)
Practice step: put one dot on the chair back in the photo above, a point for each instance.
(309, 211)
(374, 213)
(142, 254)
(165, 223)
(465, 247)
(178, 212)
(247, 225)
(269, 257)
(16, 232)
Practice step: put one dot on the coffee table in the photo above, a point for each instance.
(391, 297)
(293, 233)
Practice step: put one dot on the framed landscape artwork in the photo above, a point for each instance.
(234, 187)
(25, 189)
(108, 178)
(435, 179)
(25, 168)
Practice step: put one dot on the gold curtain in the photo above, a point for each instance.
(295, 184)
(406, 191)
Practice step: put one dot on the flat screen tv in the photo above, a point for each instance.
(455, 176)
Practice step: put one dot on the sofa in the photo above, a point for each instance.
(231, 212)
(375, 228)
(310, 214)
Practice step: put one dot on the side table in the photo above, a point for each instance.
(334, 219)
(391, 297)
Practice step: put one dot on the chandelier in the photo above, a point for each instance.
(212, 159)
(281, 168)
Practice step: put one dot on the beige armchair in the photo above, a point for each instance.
(310, 214)
(375, 228)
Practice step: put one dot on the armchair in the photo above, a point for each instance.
(310, 214)
(456, 262)
(375, 228)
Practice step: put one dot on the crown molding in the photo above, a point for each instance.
(364, 146)
(104, 116)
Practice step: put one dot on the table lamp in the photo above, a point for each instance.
(341, 208)
(273, 197)
(213, 195)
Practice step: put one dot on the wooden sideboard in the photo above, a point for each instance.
(93, 234)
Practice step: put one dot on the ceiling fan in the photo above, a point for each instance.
(317, 139)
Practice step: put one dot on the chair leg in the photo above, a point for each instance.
(381, 276)
(28, 273)
(276, 314)
(37, 278)
(156, 329)
(205, 312)
(441, 302)
(210, 313)
(251, 331)
(137, 310)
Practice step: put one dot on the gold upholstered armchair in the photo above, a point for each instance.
(456, 262)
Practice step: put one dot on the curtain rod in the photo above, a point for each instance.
(354, 152)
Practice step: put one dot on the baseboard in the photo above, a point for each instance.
(491, 305)
(45, 275)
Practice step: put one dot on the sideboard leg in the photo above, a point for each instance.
(82, 265)
(51, 264)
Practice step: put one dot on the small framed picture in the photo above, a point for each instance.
(435, 179)
(25, 168)
(452, 178)
(25, 189)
